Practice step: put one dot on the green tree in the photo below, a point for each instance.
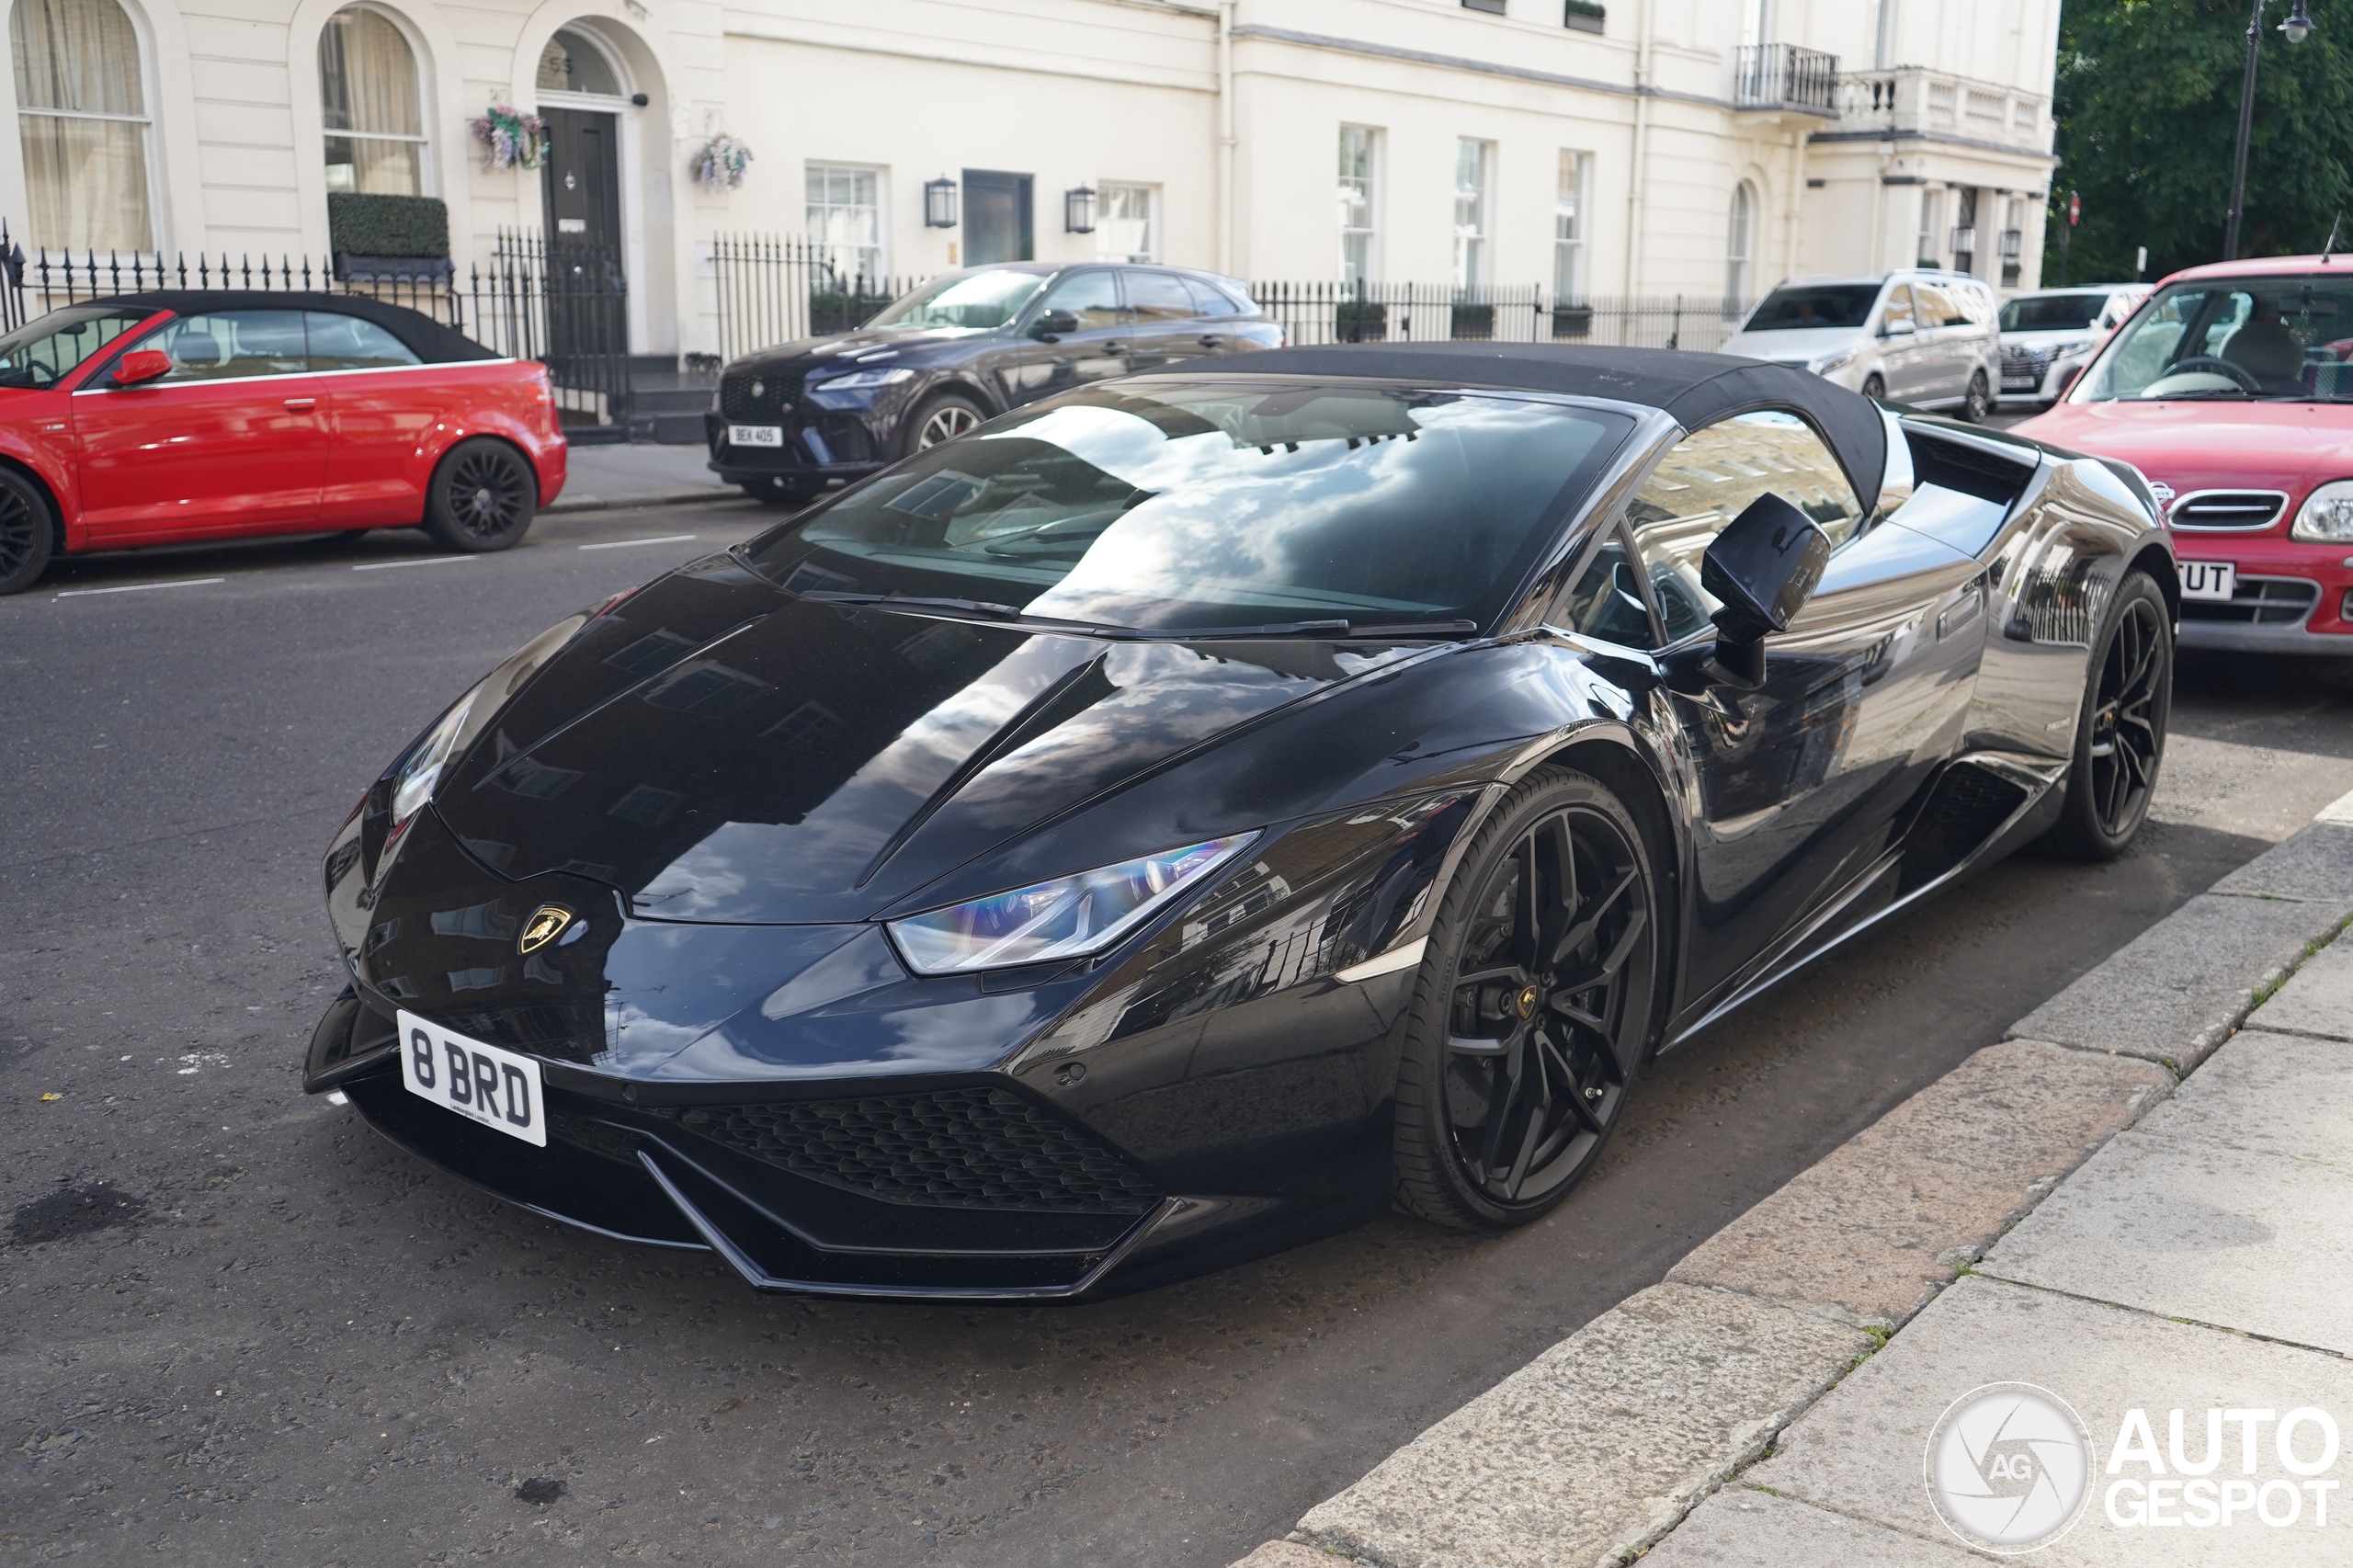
(2147, 103)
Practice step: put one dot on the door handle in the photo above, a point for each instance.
(1210, 340)
(301, 404)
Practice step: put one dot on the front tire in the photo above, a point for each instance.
(1538, 999)
(1875, 386)
(482, 498)
(2120, 729)
(943, 418)
(28, 533)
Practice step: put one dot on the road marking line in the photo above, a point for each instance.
(625, 543)
(142, 588)
(422, 560)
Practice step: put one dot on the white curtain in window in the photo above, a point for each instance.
(82, 119)
(369, 99)
(1124, 226)
(1469, 214)
(1568, 230)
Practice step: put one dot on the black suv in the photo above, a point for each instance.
(792, 419)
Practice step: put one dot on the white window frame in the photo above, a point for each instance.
(427, 175)
(1571, 210)
(1740, 243)
(1473, 240)
(1927, 253)
(1104, 250)
(882, 206)
(1366, 189)
(146, 120)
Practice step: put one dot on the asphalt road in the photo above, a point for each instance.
(237, 1328)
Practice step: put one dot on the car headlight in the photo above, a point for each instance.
(418, 771)
(2326, 516)
(858, 387)
(1829, 362)
(1066, 918)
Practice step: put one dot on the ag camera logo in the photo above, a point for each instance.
(2009, 1468)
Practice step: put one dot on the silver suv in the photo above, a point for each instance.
(1921, 337)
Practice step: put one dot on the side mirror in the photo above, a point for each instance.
(1053, 325)
(1762, 569)
(142, 365)
(1900, 328)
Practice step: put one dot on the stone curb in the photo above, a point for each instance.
(1594, 1452)
(650, 498)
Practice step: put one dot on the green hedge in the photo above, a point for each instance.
(387, 226)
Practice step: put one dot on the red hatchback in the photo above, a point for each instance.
(169, 417)
(2232, 389)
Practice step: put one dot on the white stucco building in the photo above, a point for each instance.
(1700, 147)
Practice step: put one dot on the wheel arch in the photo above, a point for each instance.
(958, 382)
(1616, 756)
(2155, 560)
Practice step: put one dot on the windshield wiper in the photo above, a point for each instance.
(1332, 629)
(911, 601)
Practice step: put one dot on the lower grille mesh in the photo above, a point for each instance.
(949, 1149)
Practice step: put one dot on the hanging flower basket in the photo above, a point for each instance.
(719, 163)
(510, 140)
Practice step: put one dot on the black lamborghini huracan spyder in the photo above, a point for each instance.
(1194, 812)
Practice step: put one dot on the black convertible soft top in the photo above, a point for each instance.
(1694, 389)
(426, 338)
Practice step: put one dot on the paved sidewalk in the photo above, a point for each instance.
(2056, 1212)
(639, 476)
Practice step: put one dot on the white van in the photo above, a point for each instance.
(1922, 337)
(2050, 334)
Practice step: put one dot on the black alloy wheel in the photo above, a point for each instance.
(944, 418)
(28, 533)
(1875, 385)
(1979, 403)
(1538, 999)
(2120, 732)
(482, 498)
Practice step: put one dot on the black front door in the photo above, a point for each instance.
(588, 290)
(996, 218)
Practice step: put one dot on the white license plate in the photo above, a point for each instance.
(480, 1082)
(755, 435)
(2207, 579)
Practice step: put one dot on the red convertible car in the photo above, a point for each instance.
(167, 417)
(2232, 389)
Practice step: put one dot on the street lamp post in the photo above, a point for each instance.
(2298, 27)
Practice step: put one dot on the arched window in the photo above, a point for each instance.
(1740, 246)
(575, 63)
(81, 112)
(368, 94)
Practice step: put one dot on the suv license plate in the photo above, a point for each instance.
(480, 1082)
(2208, 579)
(755, 435)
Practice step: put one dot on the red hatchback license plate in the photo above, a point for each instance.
(2208, 579)
(479, 1081)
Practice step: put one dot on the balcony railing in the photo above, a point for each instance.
(1783, 76)
(1911, 98)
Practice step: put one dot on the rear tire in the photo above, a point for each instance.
(28, 533)
(1539, 996)
(482, 498)
(1978, 403)
(2120, 728)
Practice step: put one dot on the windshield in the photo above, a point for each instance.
(39, 352)
(1815, 304)
(1207, 505)
(2281, 339)
(2051, 313)
(972, 300)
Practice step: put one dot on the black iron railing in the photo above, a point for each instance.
(770, 289)
(1314, 312)
(567, 310)
(1783, 76)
